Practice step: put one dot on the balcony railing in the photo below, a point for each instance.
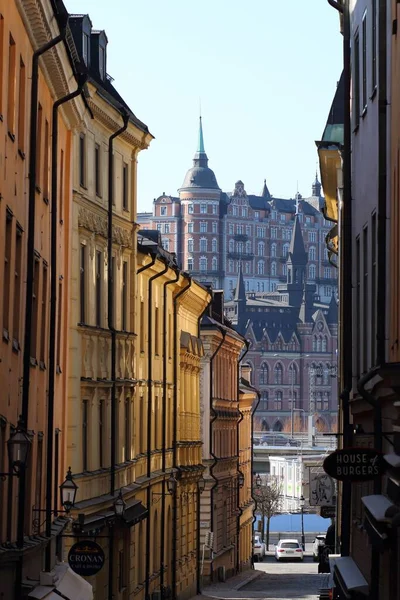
(240, 255)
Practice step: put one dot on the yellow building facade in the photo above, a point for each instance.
(32, 369)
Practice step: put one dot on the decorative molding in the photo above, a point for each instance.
(98, 226)
(114, 124)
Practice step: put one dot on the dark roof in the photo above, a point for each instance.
(240, 291)
(296, 247)
(332, 314)
(265, 191)
(258, 202)
(200, 177)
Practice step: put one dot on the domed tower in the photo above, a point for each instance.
(200, 198)
(316, 187)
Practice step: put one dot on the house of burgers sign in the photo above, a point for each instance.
(86, 558)
(354, 464)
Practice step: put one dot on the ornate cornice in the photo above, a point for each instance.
(114, 124)
(99, 226)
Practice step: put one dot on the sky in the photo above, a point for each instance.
(264, 73)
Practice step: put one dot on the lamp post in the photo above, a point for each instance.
(303, 541)
(68, 491)
(18, 449)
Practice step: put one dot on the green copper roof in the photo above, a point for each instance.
(200, 148)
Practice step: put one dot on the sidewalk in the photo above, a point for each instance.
(227, 589)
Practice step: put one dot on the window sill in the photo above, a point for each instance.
(46, 200)
(6, 336)
(15, 346)
(38, 189)
(126, 210)
(22, 154)
(374, 92)
(42, 366)
(83, 186)
(1, 118)
(58, 370)
(11, 136)
(33, 362)
(356, 128)
(364, 112)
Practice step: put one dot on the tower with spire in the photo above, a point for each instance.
(316, 187)
(296, 267)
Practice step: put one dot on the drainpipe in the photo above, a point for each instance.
(252, 458)
(149, 416)
(82, 78)
(164, 431)
(238, 456)
(111, 327)
(198, 551)
(29, 283)
(212, 420)
(175, 439)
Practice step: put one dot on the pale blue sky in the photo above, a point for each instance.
(265, 71)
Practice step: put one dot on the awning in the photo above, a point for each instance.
(134, 513)
(67, 583)
(348, 577)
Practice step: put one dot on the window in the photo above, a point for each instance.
(127, 429)
(43, 317)
(308, 220)
(17, 283)
(231, 245)
(102, 423)
(190, 245)
(102, 61)
(278, 374)
(82, 284)
(283, 218)
(59, 325)
(273, 269)
(214, 263)
(98, 287)
(312, 253)
(327, 290)
(190, 263)
(159, 227)
(46, 172)
(261, 249)
(203, 263)
(21, 106)
(278, 401)
(203, 227)
(311, 272)
(214, 245)
(203, 209)
(97, 170)
(85, 434)
(124, 297)
(142, 327)
(264, 400)
(312, 236)
(324, 344)
(39, 471)
(364, 61)
(284, 270)
(85, 48)
(35, 308)
(7, 272)
(12, 84)
(285, 249)
(274, 232)
(190, 227)
(230, 266)
(156, 331)
(215, 209)
(273, 250)
(256, 214)
(165, 244)
(125, 187)
(235, 211)
(190, 209)
(61, 187)
(82, 178)
(248, 247)
(273, 215)
(264, 374)
(373, 45)
(293, 374)
(260, 267)
(203, 245)
(356, 81)
(327, 272)
(39, 146)
(215, 227)
(166, 228)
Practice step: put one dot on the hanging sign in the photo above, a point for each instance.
(328, 512)
(354, 464)
(86, 558)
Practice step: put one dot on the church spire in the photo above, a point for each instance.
(316, 187)
(200, 158)
(297, 251)
(265, 191)
(200, 146)
(240, 291)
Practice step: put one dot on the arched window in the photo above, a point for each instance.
(284, 270)
(293, 374)
(231, 246)
(285, 249)
(273, 250)
(278, 374)
(214, 245)
(261, 249)
(264, 426)
(239, 247)
(246, 267)
(273, 269)
(214, 263)
(325, 375)
(311, 272)
(264, 400)
(264, 374)
(278, 400)
(203, 244)
(312, 253)
(324, 343)
(277, 426)
(203, 263)
(319, 344)
(248, 247)
(190, 244)
(260, 267)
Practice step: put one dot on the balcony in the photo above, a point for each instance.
(240, 255)
(240, 237)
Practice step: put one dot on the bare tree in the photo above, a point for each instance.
(268, 497)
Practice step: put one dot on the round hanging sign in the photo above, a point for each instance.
(354, 464)
(86, 558)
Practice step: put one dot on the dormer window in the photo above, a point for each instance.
(102, 62)
(85, 48)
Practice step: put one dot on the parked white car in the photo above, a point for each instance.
(319, 541)
(259, 548)
(289, 549)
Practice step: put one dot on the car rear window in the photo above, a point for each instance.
(289, 545)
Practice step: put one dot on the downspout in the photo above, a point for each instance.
(175, 440)
(252, 458)
(198, 551)
(164, 432)
(81, 80)
(149, 416)
(29, 283)
(240, 511)
(212, 421)
(111, 327)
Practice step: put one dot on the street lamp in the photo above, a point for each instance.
(303, 541)
(68, 491)
(201, 484)
(18, 449)
(240, 479)
(258, 480)
(171, 483)
(119, 505)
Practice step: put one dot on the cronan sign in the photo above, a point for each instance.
(86, 558)
(354, 464)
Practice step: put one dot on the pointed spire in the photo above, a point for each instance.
(297, 251)
(316, 186)
(265, 191)
(200, 146)
(332, 314)
(240, 291)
